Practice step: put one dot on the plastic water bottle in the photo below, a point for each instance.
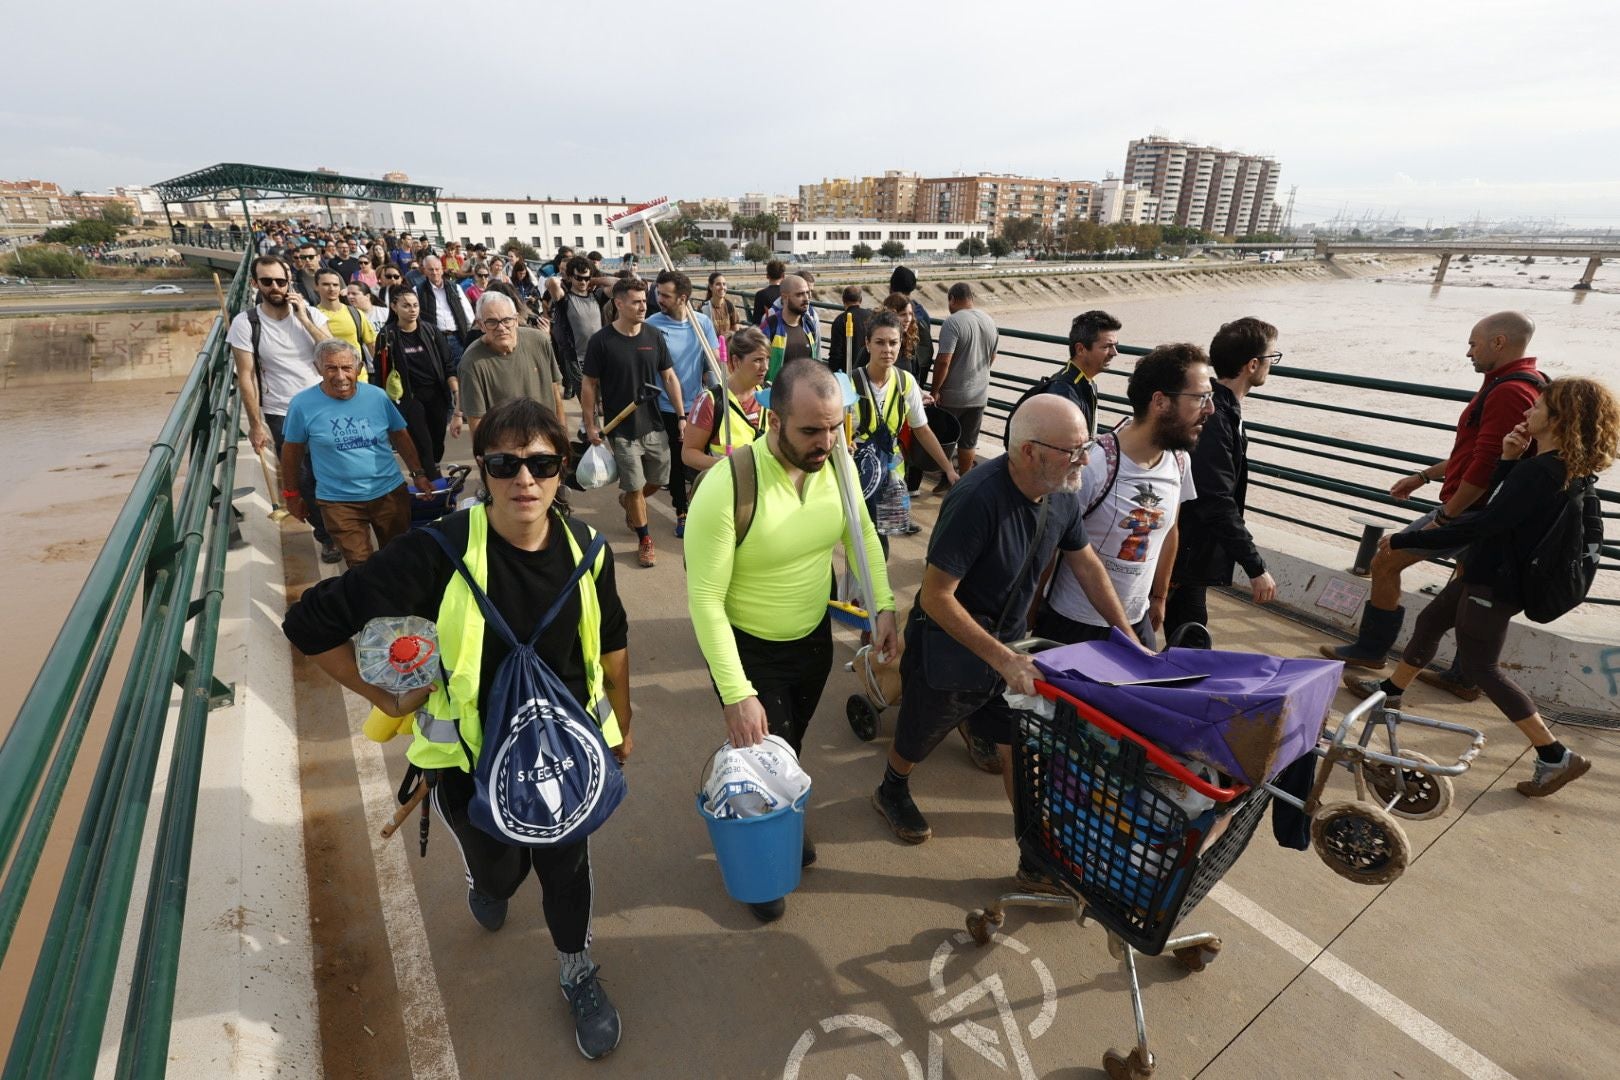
(398, 653)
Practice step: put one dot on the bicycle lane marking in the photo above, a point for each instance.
(982, 1040)
(1409, 1021)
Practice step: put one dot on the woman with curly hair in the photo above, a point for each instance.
(1575, 427)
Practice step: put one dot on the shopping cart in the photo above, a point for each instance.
(1101, 810)
(1136, 839)
(446, 490)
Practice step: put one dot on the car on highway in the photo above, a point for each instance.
(162, 290)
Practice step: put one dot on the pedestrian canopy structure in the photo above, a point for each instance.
(230, 182)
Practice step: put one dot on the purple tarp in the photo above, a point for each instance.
(1249, 717)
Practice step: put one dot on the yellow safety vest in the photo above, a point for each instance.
(892, 408)
(452, 709)
(742, 431)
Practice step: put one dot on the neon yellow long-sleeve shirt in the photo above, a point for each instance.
(775, 585)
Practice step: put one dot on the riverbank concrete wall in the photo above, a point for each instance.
(42, 350)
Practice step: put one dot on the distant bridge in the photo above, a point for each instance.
(1593, 251)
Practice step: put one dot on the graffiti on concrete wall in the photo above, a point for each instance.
(39, 350)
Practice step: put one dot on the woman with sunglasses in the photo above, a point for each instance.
(523, 549)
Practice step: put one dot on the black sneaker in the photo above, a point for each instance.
(902, 814)
(981, 750)
(330, 553)
(808, 855)
(596, 1021)
(770, 910)
(489, 911)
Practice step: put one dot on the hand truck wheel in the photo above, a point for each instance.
(1127, 1066)
(1361, 842)
(981, 924)
(863, 718)
(1198, 957)
(1427, 795)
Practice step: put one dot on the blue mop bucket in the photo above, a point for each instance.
(759, 856)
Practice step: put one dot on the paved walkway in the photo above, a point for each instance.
(1494, 956)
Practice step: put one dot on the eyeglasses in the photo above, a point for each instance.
(309, 256)
(501, 324)
(1204, 400)
(277, 282)
(481, 275)
(391, 277)
(586, 276)
(1274, 358)
(1076, 454)
(506, 466)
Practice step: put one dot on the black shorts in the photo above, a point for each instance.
(927, 714)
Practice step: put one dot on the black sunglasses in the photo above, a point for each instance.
(269, 281)
(540, 466)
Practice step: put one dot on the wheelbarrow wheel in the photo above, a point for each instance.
(1361, 842)
(1127, 1066)
(1196, 958)
(981, 924)
(863, 718)
(1427, 795)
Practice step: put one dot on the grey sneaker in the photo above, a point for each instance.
(1366, 688)
(596, 1021)
(330, 553)
(1550, 776)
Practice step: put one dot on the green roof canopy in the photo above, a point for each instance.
(263, 181)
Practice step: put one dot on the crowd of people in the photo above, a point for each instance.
(1072, 533)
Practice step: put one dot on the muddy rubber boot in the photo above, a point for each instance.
(1379, 629)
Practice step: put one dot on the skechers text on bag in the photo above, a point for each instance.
(544, 774)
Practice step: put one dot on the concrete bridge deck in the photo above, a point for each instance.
(1494, 956)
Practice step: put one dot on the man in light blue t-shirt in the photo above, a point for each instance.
(351, 431)
(680, 325)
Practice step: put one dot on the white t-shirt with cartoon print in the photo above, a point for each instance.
(1127, 530)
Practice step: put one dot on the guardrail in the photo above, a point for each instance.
(173, 549)
(1305, 496)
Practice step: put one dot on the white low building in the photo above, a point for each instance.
(805, 239)
(543, 225)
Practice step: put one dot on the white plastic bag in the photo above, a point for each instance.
(597, 467)
(751, 781)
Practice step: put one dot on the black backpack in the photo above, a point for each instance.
(1560, 570)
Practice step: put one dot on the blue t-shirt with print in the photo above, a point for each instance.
(347, 441)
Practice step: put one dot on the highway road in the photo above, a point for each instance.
(71, 305)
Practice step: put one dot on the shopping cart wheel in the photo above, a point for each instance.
(981, 924)
(1198, 957)
(1127, 1066)
(1427, 795)
(863, 719)
(1361, 842)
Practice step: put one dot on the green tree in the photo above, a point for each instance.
(768, 225)
(38, 261)
(681, 250)
(715, 251)
(999, 247)
(526, 252)
(862, 252)
(1149, 238)
(972, 247)
(117, 213)
(93, 231)
(1084, 236)
(756, 252)
(892, 250)
(1021, 232)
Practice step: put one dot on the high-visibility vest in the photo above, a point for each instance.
(892, 408)
(451, 733)
(742, 430)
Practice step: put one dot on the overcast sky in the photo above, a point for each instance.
(1434, 109)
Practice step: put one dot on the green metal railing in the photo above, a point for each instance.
(172, 548)
(1306, 496)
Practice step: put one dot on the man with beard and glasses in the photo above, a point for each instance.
(759, 603)
(273, 344)
(306, 267)
(576, 316)
(1135, 483)
(997, 529)
(509, 361)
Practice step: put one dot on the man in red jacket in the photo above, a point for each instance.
(1497, 348)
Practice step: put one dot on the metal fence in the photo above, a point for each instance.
(171, 546)
(1320, 482)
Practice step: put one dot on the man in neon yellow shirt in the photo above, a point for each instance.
(760, 606)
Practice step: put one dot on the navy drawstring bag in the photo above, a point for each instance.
(544, 775)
